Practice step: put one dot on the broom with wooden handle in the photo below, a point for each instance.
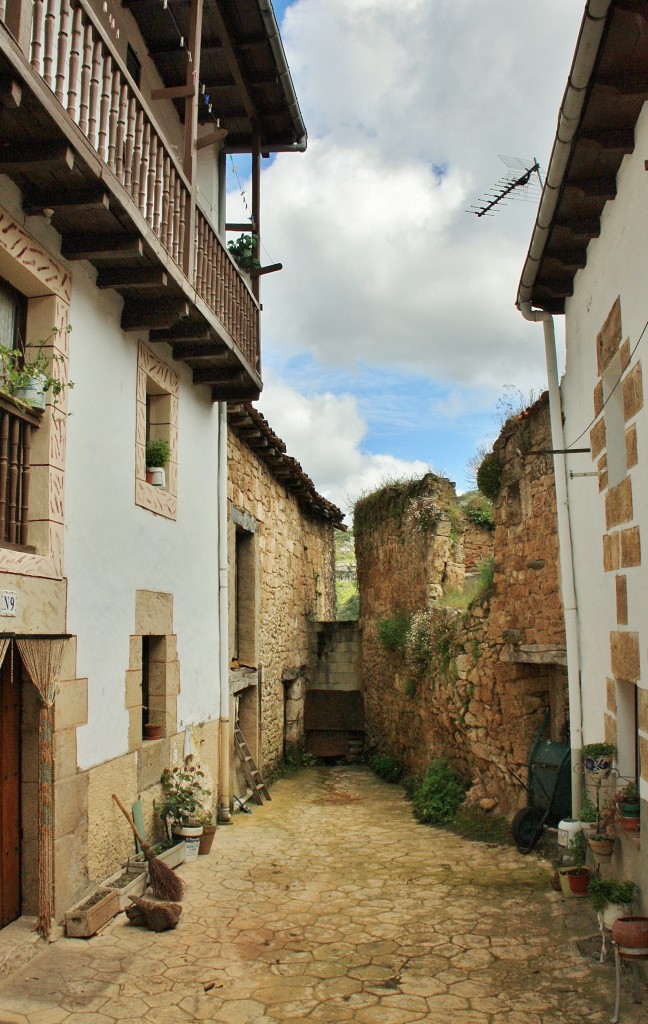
(164, 882)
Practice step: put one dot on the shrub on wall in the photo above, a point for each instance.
(439, 794)
(392, 633)
(489, 475)
(430, 641)
(479, 509)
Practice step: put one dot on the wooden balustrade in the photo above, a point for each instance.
(16, 427)
(78, 61)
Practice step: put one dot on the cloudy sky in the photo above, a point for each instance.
(391, 332)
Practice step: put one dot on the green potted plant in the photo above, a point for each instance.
(27, 374)
(183, 803)
(598, 759)
(611, 899)
(579, 875)
(158, 452)
(588, 816)
(628, 803)
(242, 252)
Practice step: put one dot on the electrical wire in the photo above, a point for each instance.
(621, 376)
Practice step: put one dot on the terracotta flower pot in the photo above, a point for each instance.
(602, 846)
(206, 840)
(579, 881)
(630, 824)
(152, 732)
(631, 935)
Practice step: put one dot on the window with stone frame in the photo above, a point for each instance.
(156, 419)
(617, 464)
(243, 590)
(628, 745)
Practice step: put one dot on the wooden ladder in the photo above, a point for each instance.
(250, 770)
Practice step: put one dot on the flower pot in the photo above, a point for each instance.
(155, 475)
(191, 835)
(563, 878)
(172, 856)
(629, 810)
(602, 846)
(33, 393)
(612, 912)
(206, 840)
(579, 881)
(152, 732)
(126, 884)
(598, 767)
(87, 917)
(631, 824)
(631, 935)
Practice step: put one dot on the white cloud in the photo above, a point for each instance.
(407, 104)
(325, 433)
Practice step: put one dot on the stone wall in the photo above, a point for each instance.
(478, 544)
(479, 690)
(293, 585)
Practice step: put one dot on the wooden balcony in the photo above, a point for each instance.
(82, 144)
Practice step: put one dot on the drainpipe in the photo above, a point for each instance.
(564, 547)
(224, 814)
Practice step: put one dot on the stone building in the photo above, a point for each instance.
(478, 688)
(282, 581)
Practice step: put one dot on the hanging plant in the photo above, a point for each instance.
(242, 252)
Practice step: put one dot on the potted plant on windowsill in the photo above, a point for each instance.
(158, 452)
(27, 376)
(598, 759)
(183, 805)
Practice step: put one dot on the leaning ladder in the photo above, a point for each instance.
(250, 770)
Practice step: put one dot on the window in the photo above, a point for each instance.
(133, 65)
(156, 419)
(13, 316)
(243, 590)
(627, 736)
(154, 683)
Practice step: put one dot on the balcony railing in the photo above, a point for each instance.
(16, 427)
(76, 59)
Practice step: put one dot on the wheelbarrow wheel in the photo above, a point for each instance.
(527, 828)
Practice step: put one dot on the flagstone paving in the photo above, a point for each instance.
(332, 904)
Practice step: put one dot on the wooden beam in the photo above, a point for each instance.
(191, 331)
(212, 138)
(218, 375)
(624, 83)
(256, 207)
(102, 247)
(174, 92)
(236, 393)
(198, 351)
(189, 162)
(619, 140)
(576, 258)
(132, 278)
(270, 269)
(233, 61)
(582, 227)
(149, 314)
(35, 157)
(594, 188)
(250, 227)
(558, 287)
(88, 201)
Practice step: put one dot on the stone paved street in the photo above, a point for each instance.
(332, 904)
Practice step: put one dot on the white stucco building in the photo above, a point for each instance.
(115, 124)
(587, 260)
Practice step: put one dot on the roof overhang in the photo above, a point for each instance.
(606, 90)
(242, 66)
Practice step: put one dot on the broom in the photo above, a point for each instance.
(164, 882)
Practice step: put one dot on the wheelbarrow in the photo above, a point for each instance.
(548, 789)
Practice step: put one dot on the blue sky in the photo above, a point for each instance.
(391, 332)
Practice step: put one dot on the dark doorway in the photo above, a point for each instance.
(10, 715)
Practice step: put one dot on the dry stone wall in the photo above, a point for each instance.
(294, 586)
(479, 690)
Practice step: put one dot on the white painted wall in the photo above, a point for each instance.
(616, 265)
(113, 547)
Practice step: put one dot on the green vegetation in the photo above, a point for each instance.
(386, 767)
(588, 811)
(392, 633)
(598, 750)
(242, 252)
(607, 890)
(479, 509)
(437, 796)
(157, 453)
(347, 600)
(489, 475)
(481, 826)
(393, 500)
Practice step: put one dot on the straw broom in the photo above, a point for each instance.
(164, 882)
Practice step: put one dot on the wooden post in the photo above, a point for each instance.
(191, 131)
(256, 205)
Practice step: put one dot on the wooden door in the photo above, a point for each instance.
(9, 790)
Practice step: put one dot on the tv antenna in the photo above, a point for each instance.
(526, 186)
